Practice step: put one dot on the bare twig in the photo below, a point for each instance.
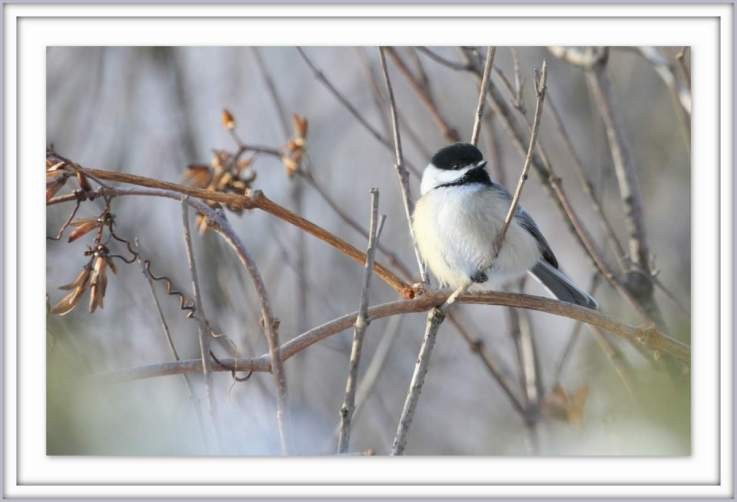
(488, 64)
(348, 406)
(400, 168)
(453, 65)
(434, 319)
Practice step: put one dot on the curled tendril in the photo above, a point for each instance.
(232, 369)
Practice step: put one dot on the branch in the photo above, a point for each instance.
(434, 319)
(399, 166)
(540, 89)
(348, 407)
(203, 325)
(268, 325)
(639, 281)
(488, 64)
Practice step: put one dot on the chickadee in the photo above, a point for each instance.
(457, 219)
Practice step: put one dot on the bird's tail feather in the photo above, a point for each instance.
(561, 286)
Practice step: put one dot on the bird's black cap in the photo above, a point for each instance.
(457, 156)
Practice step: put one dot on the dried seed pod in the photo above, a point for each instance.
(227, 120)
(71, 299)
(82, 227)
(79, 281)
(98, 282)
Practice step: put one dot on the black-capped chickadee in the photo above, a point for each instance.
(457, 219)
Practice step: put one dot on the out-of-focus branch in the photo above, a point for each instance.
(639, 279)
(449, 132)
(399, 166)
(453, 65)
(488, 64)
(268, 325)
(586, 184)
(359, 328)
(647, 337)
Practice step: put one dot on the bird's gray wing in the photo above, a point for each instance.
(525, 221)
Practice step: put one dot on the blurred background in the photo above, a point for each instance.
(153, 111)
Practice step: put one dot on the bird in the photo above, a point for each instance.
(456, 222)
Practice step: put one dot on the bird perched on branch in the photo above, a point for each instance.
(457, 222)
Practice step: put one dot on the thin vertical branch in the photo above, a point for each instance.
(203, 328)
(540, 89)
(488, 64)
(639, 281)
(434, 319)
(359, 328)
(400, 168)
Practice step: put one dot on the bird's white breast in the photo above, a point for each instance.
(456, 227)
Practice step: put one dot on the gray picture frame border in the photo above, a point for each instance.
(4, 209)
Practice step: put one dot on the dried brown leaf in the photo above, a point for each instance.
(227, 120)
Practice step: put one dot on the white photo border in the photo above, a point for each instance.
(28, 29)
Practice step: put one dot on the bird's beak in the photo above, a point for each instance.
(481, 164)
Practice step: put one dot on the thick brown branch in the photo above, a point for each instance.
(648, 338)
